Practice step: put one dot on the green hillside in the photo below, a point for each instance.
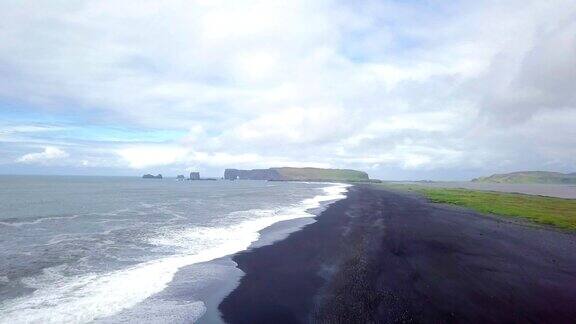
(318, 174)
(542, 177)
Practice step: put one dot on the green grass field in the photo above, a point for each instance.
(557, 212)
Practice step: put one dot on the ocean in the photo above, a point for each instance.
(91, 249)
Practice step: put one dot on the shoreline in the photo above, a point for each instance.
(213, 295)
(196, 289)
(230, 274)
(383, 256)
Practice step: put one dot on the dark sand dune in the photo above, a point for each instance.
(381, 256)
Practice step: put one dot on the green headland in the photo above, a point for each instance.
(297, 174)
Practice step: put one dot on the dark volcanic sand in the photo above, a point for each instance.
(381, 256)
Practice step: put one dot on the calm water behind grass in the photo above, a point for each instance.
(560, 191)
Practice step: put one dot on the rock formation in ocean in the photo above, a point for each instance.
(194, 176)
(151, 176)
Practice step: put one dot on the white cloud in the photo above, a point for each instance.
(377, 84)
(49, 154)
(15, 133)
(29, 129)
(294, 125)
(146, 156)
(150, 156)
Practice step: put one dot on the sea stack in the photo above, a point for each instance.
(151, 176)
(194, 175)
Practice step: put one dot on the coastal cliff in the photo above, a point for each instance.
(256, 174)
(296, 174)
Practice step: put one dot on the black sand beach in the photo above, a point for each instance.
(380, 256)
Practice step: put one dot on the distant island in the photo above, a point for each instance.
(151, 176)
(541, 177)
(297, 174)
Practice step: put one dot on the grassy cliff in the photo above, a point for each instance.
(542, 177)
(318, 174)
(297, 174)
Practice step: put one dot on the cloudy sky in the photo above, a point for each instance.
(401, 89)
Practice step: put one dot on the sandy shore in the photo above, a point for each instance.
(227, 273)
(381, 256)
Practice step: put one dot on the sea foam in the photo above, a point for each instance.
(95, 296)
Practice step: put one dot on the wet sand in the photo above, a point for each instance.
(225, 273)
(382, 256)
